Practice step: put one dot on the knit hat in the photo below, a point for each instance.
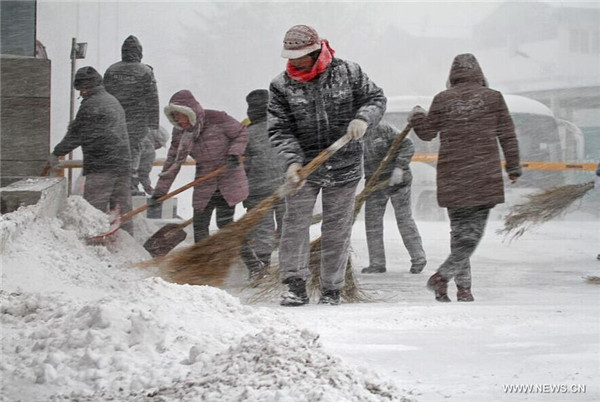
(299, 41)
(257, 105)
(87, 77)
(258, 97)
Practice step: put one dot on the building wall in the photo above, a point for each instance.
(25, 117)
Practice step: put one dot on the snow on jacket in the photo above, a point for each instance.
(262, 164)
(133, 84)
(213, 137)
(304, 118)
(470, 119)
(377, 142)
(100, 130)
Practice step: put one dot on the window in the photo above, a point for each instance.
(574, 41)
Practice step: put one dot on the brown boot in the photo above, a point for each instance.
(464, 294)
(438, 284)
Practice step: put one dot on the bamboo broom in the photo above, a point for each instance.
(542, 207)
(351, 292)
(208, 262)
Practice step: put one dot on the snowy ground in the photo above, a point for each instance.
(80, 323)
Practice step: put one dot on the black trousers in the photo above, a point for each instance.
(202, 217)
(467, 225)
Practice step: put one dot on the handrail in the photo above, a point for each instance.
(425, 157)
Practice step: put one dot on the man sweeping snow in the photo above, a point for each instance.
(316, 101)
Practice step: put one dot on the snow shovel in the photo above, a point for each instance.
(119, 221)
(166, 238)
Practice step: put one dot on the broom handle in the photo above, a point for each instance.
(173, 193)
(323, 156)
(183, 224)
(370, 186)
(171, 232)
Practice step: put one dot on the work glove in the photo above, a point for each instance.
(169, 173)
(357, 128)
(233, 161)
(153, 201)
(399, 178)
(417, 110)
(149, 190)
(292, 176)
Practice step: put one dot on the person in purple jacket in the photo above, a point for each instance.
(213, 139)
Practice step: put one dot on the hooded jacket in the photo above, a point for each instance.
(305, 118)
(214, 136)
(99, 129)
(134, 85)
(470, 120)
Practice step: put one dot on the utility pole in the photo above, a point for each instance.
(77, 52)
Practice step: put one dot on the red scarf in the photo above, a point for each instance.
(320, 65)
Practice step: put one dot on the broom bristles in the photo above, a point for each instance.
(270, 286)
(351, 291)
(208, 262)
(542, 207)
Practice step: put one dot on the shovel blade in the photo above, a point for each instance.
(165, 240)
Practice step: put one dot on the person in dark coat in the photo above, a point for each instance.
(376, 145)
(134, 85)
(100, 130)
(315, 101)
(213, 139)
(470, 119)
(264, 177)
(156, 139)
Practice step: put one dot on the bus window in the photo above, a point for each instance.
(539, 142)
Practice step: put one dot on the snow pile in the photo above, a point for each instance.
(274, 365)
(78, 321)
(132, 341)
(49, 254)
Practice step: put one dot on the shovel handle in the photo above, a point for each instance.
(181, 225)
(173, 193)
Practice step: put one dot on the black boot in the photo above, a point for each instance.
(373, 269)
(258, 270)
(296, 295)
(439, 285)
(464, 294)
(417, 267)
(330, 297)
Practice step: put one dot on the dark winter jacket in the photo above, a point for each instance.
(133, 84)
(377, 142)
(262, 164)
(470, 119)
(214, 136)
(304, 118)
(100, 130)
